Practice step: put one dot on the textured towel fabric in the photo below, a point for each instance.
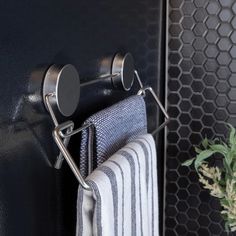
(111, 129)
(124, 196)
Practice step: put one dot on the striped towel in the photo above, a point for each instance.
(124, 197)
(112, 128)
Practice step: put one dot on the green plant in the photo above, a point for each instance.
(220, 181)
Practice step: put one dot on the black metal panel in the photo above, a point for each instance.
(201, 98)
(36, 199)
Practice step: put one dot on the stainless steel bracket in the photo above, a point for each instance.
(61, 92)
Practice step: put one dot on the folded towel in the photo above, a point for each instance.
(111, 129)
(123, 200)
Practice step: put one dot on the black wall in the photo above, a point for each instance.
(201, 98)
(36, 199)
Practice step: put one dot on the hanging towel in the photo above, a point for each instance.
(111, 129)
(123, 200)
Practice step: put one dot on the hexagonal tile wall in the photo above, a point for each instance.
(201, 97)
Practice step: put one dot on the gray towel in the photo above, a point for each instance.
(111, 129)
(124, 196)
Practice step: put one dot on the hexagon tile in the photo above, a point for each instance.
(201, 97)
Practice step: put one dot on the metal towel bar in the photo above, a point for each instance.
(61, 90)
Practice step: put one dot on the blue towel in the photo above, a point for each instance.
(111, 129)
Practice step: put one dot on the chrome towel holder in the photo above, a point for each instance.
(61, 92)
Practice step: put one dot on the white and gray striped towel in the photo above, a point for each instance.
(124, 196)
(111, 129)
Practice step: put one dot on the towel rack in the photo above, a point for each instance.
(61, 92)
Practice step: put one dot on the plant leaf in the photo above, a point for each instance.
(219, 148)
(227, 168)
(205, 143)
(234, 167)
(233, 151)
(188, 162)
(201, 157)
(222, 182)
(229, 158)
(227, 229)
(198, 150)
(212, 142)
(232, 135)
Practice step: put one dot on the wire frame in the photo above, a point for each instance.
(63, 132)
